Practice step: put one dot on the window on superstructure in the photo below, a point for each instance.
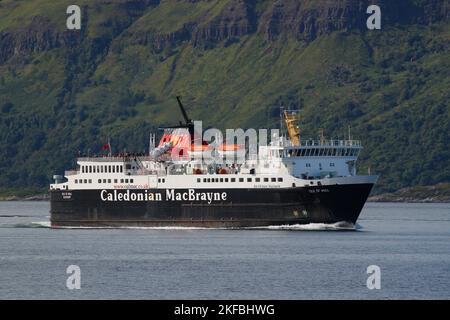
(332, 164)
(233, 179)
(115, 180)
(126, 180)
(99, 180)
(226, 179)
(80, 181)
(121, 180)
(199, 180)
(104, 180)
(221, 179)
(266, 179)
(85, 181)
(90, 180)
(204, 179)
(164, 180)
(273, 179)
(249, 179)
(241, 179)
(109, 180)
(76, 181)
(280, 179)
(257, 180)
(113, 169)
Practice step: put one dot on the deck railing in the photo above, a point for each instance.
(330, 143)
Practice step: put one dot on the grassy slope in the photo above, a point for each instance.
(390, 86)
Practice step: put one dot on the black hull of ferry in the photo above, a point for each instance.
(242, 208)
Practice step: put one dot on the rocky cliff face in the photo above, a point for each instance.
(309, 19)
(304, 19)
(40, 35)
(237, 19)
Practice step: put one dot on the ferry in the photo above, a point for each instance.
(288, 181)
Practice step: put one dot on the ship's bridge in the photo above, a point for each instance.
(319, 158)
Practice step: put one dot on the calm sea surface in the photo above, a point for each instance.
(409, 242)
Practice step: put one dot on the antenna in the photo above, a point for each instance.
(152, 143)
(281, 118)
(349, 133)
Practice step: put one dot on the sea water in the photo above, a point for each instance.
(410, 243)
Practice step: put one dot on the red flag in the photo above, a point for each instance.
(106, 147)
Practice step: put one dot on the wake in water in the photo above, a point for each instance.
(43, 224)
(338, 226)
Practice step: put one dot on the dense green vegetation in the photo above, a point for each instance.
(390, 86)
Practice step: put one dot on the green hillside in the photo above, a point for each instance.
(64, 91)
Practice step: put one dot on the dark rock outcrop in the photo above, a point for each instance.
(308, 19)
(236, 19)
(40, 35)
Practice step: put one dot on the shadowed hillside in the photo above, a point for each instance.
(235, 62)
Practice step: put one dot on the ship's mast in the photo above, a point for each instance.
(291, 119)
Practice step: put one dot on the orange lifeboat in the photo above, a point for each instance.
(199, 151)
(230, 150)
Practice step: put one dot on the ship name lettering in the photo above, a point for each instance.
(191, 195)
(129, 196)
